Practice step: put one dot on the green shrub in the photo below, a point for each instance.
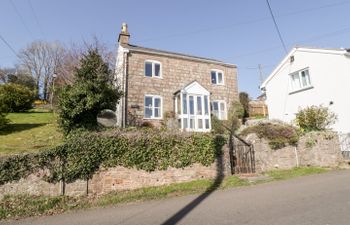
(80, 103)
(16, 98)
(84, 153)
(233, 122)
(279, 135)
(315, 118)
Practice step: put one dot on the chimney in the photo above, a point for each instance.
(124, 35)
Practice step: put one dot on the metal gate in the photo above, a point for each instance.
(242, 156)
(344, 140)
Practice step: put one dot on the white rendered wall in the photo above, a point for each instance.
(330, 78)
(120, 76)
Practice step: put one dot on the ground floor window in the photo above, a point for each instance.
(153, 107)
(219, 109)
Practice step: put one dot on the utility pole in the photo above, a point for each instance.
(260, 74)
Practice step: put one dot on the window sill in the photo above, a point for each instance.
(218, 84)
(152, 118)
(153, 77)
(301, 90)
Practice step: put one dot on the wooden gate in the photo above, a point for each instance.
(242, 156)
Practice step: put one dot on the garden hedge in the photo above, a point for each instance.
(83, 153)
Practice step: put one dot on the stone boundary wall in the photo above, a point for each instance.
(116, 179)
(320, 149)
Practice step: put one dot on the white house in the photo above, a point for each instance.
(310, 76)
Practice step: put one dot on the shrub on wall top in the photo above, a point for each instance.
(278, 134)
(315, 118)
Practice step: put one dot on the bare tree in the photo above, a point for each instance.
(42, 59)
(73, 55)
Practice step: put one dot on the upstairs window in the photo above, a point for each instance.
(219, 109)
(300, 80)
(217, 77)
(153, 107)
(153, 69)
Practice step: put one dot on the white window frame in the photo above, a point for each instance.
(219, 109)
(153, 62)
(217, 76)
(299, 75)
(161, 107)
(196, 116)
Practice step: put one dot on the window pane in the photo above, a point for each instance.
(148, 69)
(148, 101)
(192, 123)
(157, 112)
(220, 81)
(206, 123)
(221, 115)
(307, 77)
(184, 103)
(295, 81)
(191, 105)
(185, 123)
(199, 105)
(213, 77)
(303, 79)
(215, 106)
(148, 112)
(156, 102)
(206, 105)
(200, 124)
(157, 69)
(222, 106)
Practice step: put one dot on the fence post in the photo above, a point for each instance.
(231, 150)
(63, 179)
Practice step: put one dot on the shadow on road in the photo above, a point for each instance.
(189, 207)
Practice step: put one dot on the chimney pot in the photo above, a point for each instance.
(124, 35)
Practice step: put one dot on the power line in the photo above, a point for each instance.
(315, 38)
(203, 30)
(35, 17)
(276, 26)
(8, 45)
(21, 18)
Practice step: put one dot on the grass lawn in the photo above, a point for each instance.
(19, 206)
(29, 132)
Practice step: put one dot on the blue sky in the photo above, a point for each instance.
(235, 31)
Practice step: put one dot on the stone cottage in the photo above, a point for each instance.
(159, 85)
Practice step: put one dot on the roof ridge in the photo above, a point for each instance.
(174, 53)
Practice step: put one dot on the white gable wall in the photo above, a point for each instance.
(330, 78)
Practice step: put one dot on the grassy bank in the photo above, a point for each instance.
(29, 132)
(23, 205)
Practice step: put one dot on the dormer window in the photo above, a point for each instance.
(153, 69)
(217, 77)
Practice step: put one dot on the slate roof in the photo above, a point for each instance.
(175, 54)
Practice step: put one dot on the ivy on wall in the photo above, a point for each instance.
(83, 153)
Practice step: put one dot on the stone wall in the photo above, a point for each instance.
(117, 179)
(314, 149)
(176, 74)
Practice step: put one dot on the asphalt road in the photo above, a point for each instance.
(318, 199)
